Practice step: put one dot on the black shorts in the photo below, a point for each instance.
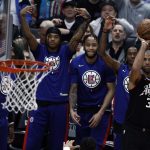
(135, 138)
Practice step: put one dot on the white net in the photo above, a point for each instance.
(20, 87)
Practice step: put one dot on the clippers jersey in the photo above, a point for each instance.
(55, 86)
(91, 80)
(121, 94)
(139, 106)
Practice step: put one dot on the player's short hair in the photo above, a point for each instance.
(53, 30)
(89, 35)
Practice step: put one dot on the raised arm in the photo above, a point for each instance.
(81, 29)
(135, 74)
(112, 63)
(25, 27)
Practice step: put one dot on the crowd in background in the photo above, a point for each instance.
(77, 22)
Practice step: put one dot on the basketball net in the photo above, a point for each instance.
(19, 82)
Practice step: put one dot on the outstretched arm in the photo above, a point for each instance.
(135, 74)
(112, 63)
(81, 29)
(26, 30)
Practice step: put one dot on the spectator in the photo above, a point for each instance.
(21, 49)
(87, 143)
(43, 29)
(55, 85)
(147, 1)
(69, 144)
(92, 6)
(136, 134)
(48, 9)
(134, 11)
(15, 8)
(45, 25)
(109, 8)
(80, 49)
(71, 20)
(117, 47)
(92, 89)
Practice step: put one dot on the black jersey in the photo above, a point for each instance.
(138, 112)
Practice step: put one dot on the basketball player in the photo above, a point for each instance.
(136, 135)
(52, 92)
(121, 97)
(92, 88)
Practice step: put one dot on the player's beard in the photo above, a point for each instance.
(90, 56)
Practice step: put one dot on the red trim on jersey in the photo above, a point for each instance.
(107, 131)
(113, 105)
(26, 134)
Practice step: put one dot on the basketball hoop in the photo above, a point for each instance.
(19, 81)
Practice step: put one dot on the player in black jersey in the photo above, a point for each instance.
(136, 135)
